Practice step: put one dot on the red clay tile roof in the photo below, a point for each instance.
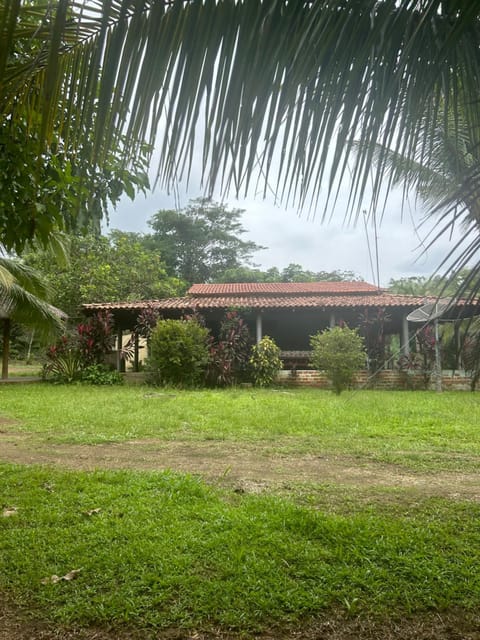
(380, 299)
(275, 295)
(281, 288)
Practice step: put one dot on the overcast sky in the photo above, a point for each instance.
(309, 242)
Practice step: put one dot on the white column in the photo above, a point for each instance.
(119, 348)
(405, 338)
(332, 319)
(259, 327)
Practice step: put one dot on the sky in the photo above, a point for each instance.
(297, 237)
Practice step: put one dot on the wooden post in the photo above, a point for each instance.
(6, 347)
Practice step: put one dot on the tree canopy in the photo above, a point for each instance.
(201, 241)
(291, 273)
(105, 269)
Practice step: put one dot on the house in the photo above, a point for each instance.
(288, 312)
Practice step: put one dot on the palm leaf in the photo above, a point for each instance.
(25, 308)
(297, 81)
(323, 72)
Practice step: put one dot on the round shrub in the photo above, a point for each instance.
(265, 362)
(179, 353)
(340, 353)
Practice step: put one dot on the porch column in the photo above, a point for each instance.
(135, 353)
(332, 319)
(119, 348)
(405, 338)
(259, 327)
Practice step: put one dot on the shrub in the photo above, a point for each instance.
(100, 374)
(96, 338)
(179, 353)
(72, 354)
(265, 362)
(64, 365)
(229, 356)
(339, 352)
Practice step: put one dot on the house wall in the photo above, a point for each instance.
(389, 379)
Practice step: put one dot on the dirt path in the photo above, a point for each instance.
(247, 467)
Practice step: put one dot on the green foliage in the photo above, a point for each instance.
(291, 273)
(397, 89)
(96, 338)
(201, 241)
(339, 352)
(179, 353)
(64, 191)
(265, 362)
(105, 269)
(372, 330)
(64, 366)
(100, 374)
(229, 355)
(471, 353)
(73, 354)
(445, 286)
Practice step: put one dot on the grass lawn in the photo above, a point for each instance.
(162, 549)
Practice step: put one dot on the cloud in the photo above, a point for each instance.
(304, 239)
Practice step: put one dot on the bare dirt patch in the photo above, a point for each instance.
(246, 467)
(20, 625)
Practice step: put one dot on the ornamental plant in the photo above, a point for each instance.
(179, 353)
(265, 362)
(230, 354)
(86, 347)
(339, 352)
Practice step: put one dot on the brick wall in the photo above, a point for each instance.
(391, 379)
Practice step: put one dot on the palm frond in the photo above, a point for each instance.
(270, 94)
(298, 79)
(25, 277)
(25, 308)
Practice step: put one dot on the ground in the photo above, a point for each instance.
(245, 468)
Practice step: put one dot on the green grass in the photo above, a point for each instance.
(418, 430)
(167, 550)
(18, 369)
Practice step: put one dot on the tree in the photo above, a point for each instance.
(291, 273)
(331, 72)
(200, 242)
(437, 285)
(442, 181)
(55, 186)
(105, 269)
(23, 295)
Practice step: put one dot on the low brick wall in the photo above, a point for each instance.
(390, 379)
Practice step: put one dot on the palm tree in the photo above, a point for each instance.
(296, 81)
(22, 300)
(446, 182)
